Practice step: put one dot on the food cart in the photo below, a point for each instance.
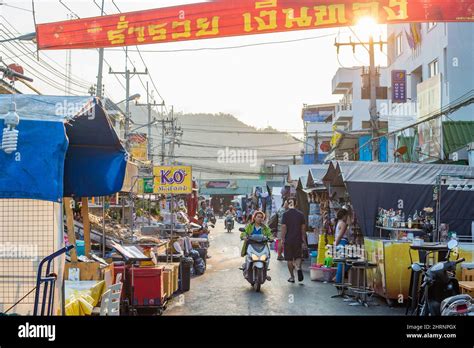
(403, 186)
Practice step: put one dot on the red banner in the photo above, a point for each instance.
(224, 18)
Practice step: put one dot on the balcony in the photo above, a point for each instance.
(344, 114)
(344, 80)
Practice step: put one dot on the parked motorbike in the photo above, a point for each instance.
(440, 289)
(257, 260)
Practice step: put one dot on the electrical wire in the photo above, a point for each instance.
(75, 80)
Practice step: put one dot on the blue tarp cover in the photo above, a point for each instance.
(66, 147)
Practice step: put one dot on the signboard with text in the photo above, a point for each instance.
(173, 179)
(225, 18)
(399, 86)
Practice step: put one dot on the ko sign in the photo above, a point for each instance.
(175, 179)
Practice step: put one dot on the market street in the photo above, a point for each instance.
(222, 290)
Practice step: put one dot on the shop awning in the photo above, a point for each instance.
(315, 177)
(67, 147)
(405, 186)
(297, 171)
(457, 135)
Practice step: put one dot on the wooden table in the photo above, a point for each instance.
(466, 287)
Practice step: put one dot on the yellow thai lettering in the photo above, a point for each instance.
(186, 25)
(402, 12)
(206, 27)
(117, 37)
(266, 4)
(157, 31)
(140, 31)
(332, 14)
(302, 21)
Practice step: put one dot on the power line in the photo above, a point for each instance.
(130, 60)
(143, 61)
(231, 47)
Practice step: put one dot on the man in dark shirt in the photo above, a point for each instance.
(293, 238)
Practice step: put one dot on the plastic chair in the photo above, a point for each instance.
(110, 303)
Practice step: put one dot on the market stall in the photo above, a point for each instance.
(402, 198)
(66, 148)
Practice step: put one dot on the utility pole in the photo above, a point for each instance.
(316, 150)
(373, 87)
(101, 64)
(373, 102)
(175, 132)
(149, 105)
(128, 75)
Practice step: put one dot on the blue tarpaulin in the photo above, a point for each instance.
(66, 147)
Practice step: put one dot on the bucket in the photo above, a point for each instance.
(316, 273)
(329, 274)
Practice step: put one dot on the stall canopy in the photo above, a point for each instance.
(315, 176)
(405, 186)
(66, 147)
(295, 172)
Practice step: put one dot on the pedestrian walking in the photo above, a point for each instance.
(283, 209)
(293, 239)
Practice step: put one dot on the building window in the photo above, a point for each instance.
(433, 68)
(431, 25)
(398, 45)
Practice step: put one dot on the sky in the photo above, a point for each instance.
(264, 85)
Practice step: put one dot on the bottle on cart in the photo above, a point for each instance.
(402, 220)
(410, 222)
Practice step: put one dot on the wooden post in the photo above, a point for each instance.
(70, 227)
(87, 225)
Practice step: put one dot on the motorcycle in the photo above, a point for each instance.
(210, 216)
(229, 223)
(257, 260)
(440, 289)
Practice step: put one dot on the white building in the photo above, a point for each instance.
(439, 61)
(352, 112)
(317, 123)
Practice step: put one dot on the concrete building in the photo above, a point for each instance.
(351, 121)
(439, 61)
(317, 123)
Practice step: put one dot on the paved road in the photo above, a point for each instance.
(222, 290)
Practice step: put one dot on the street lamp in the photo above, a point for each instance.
(26, 37)
(131, 98)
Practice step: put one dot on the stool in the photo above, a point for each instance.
(413, 295)
(341, 287)
(361, 289)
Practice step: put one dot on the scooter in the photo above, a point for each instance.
(211, 217)
(229, 223)
(440, 289)
(257, 260)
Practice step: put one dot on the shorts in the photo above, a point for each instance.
(293, 251)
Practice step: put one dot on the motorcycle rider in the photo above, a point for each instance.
(255, 227)
(230, 214)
